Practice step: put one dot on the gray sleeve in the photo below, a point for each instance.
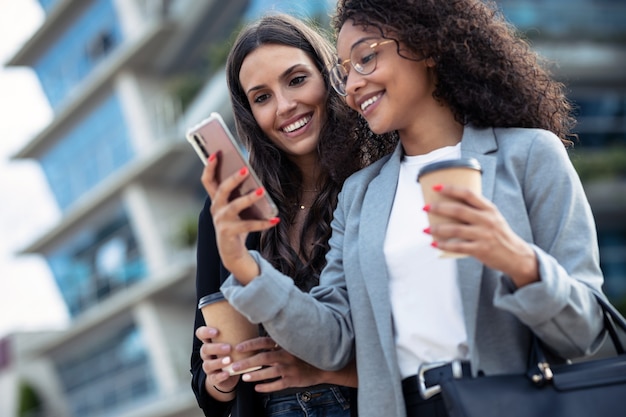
(560, 308)
(315, 327)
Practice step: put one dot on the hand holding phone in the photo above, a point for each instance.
(211, 136)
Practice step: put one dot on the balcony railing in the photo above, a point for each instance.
(127, 388)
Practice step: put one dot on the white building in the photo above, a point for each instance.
(116, 74)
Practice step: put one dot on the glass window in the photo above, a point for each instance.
(613, 262)
(109, 378)
(75, 53)
(580, 19)
(94, 149)
(98, 262)
(47, 5)
(311, 9)
(601, 117)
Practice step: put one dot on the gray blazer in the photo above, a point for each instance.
(528, 175)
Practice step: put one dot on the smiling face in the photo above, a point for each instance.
(398, 93)
(287, 95)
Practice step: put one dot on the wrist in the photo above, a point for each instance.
(527, 270)
(246, 269)
(225, 392)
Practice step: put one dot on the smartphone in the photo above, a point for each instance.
(212, 135)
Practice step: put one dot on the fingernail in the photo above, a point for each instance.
(427, 230)
(438, 187)
(226, 360)
(259, 191)
(434, 244)
(243, 171)
(275, 220)
(246, 377)
(212, 157)
(426, 207)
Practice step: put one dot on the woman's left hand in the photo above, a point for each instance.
(483, 234)
(282, 370)
(231, 230)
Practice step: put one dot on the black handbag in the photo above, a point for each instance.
(590, 388)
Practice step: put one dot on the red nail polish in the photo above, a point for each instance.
(426, 207)
(275, 220)
(427, 230)
(437, 187)
(434, 244)
(212, 157)
(243, 171)
(259, 191)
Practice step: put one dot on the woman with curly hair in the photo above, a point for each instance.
(453, 80)
(303, 141)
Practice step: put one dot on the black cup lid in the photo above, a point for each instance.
(471, 163)
(211, 298)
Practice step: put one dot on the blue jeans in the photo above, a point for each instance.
(315, 402)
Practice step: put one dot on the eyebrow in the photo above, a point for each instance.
(367, 38)
(284, 74)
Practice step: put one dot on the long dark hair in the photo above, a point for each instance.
(346, 144)
(487, 74)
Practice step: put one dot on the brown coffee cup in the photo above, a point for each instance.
(233, 327)
(465, 172)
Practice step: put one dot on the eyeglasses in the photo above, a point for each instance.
(362, 59)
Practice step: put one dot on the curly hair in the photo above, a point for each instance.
(486, 73)
(346, 144)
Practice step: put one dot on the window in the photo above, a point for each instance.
(106, 379)
(75, 53)
(601, 116)
(97, 263)
(98, 146)
(581, 19)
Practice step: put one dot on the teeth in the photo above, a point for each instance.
(369, 102)
(297, 125)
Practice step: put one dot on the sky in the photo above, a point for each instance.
(29, 298)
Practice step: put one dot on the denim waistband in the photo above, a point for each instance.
(296, 390)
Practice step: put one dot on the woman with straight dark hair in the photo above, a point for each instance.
(303, 141)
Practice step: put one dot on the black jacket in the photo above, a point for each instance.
(210, 274)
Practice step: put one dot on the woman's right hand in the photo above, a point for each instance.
(219, 384)
(280, 369)
(231, 231)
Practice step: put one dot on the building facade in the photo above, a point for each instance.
(125, 79)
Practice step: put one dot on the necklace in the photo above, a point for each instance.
(302, 206)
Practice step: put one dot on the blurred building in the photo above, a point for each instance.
(586, 42)
(125, 79)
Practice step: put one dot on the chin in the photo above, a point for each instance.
(378, 128)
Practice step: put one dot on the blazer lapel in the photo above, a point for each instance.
(479, 144)
(376, 209)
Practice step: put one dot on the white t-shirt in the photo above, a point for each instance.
(425, 298)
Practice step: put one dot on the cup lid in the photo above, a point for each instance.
(471, 163)
(211, 298)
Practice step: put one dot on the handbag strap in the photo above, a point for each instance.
(612, 317)
(539, 368)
